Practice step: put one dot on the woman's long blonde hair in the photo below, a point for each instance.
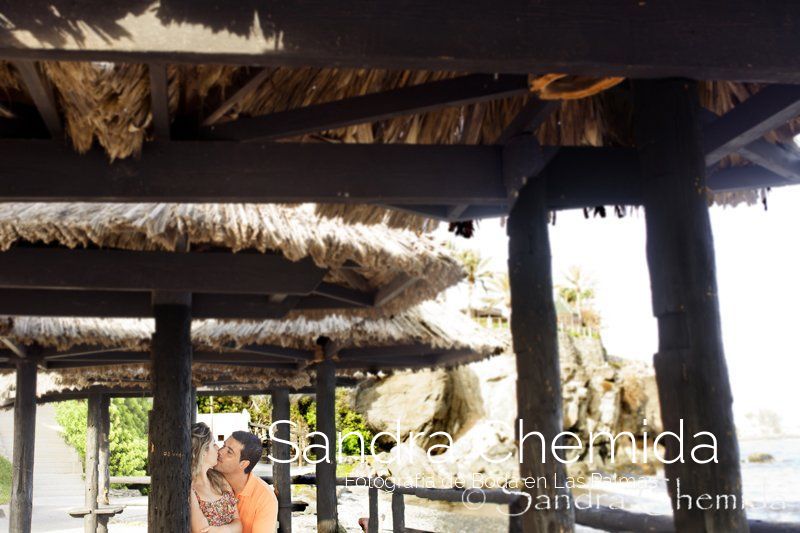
(201, 440)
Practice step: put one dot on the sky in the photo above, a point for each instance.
(758, 262)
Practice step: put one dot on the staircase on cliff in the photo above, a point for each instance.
(57, 472)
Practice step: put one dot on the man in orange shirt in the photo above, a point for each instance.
(257, 504)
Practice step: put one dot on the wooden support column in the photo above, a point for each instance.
(374, 518)
(280, 471)
(535, 338)
(398, 513)
(170, 442)
(690, 367)
(326, 470)
(193, 406)
(91, 462)
(103, 458)
(21, 507)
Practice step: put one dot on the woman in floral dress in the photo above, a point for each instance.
(212, 503)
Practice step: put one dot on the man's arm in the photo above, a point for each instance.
(266, 515)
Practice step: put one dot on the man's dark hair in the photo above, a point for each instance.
(251, 448)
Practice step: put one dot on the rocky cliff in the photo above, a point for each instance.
(476, 405)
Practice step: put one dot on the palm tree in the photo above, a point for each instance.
(478, 272)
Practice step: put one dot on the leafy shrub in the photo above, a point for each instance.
(128, 432)
(5, 480)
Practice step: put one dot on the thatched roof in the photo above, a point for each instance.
(429, 324)
(296, 232)
(110, 104)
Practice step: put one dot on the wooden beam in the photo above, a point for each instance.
(130, 304)
(327, 517)
(528, 120)
(21, 505)
(16, 349)
(254, 172)
(373, 107)
(41, 93)
(241, 273)
(693, 386)
(376, 352)
(280, 470)
(278, 352)
(635, 40)
(393, 289)
(159, 100)
(344, 294)
(169, 457)
(770, 108)
(773, 157)
(238, 96)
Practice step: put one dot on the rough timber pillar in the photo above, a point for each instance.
(280, 471)
(690, 365)
(93, 423)
(21, 507)
(535, 337)
(326, 470)
(103, 457)
(170, 442)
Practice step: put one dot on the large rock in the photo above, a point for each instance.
(476, 405)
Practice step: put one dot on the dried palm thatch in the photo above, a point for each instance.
(430, 324)
(8, 78)
(294, 231)
(110, 103)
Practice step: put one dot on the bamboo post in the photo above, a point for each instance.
(326, 470)
(93, 423)
(374, 519)
(103, 457)
(398, 512)
(21, 506)
(281, 471)
(535, 339)
(690, 367)
(170, 444)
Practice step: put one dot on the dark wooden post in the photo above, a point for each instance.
(280, 471)
(535, 338)
(104, 452)
(90, 470)
(690, 367)
(21, 507)
(374, 519)
(194, 405)
(103, 457)
(398, 513)
(326, 470)
(170, 442)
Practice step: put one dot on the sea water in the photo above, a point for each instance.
(771, 490)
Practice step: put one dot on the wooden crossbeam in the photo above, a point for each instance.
(394, 288)
(409, 350)
(770, 108)
(278, 352)
(632, 39)
(254, 172)
(243, 273)
(785, 163)
(344, 294)
(237, 97)
(528, 120)
(423, 179)
(15, 349)
(130, 304)
(41, 93)
(159, 100)
(373, 107)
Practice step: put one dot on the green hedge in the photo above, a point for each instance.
(128, 438)
(5, 480)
